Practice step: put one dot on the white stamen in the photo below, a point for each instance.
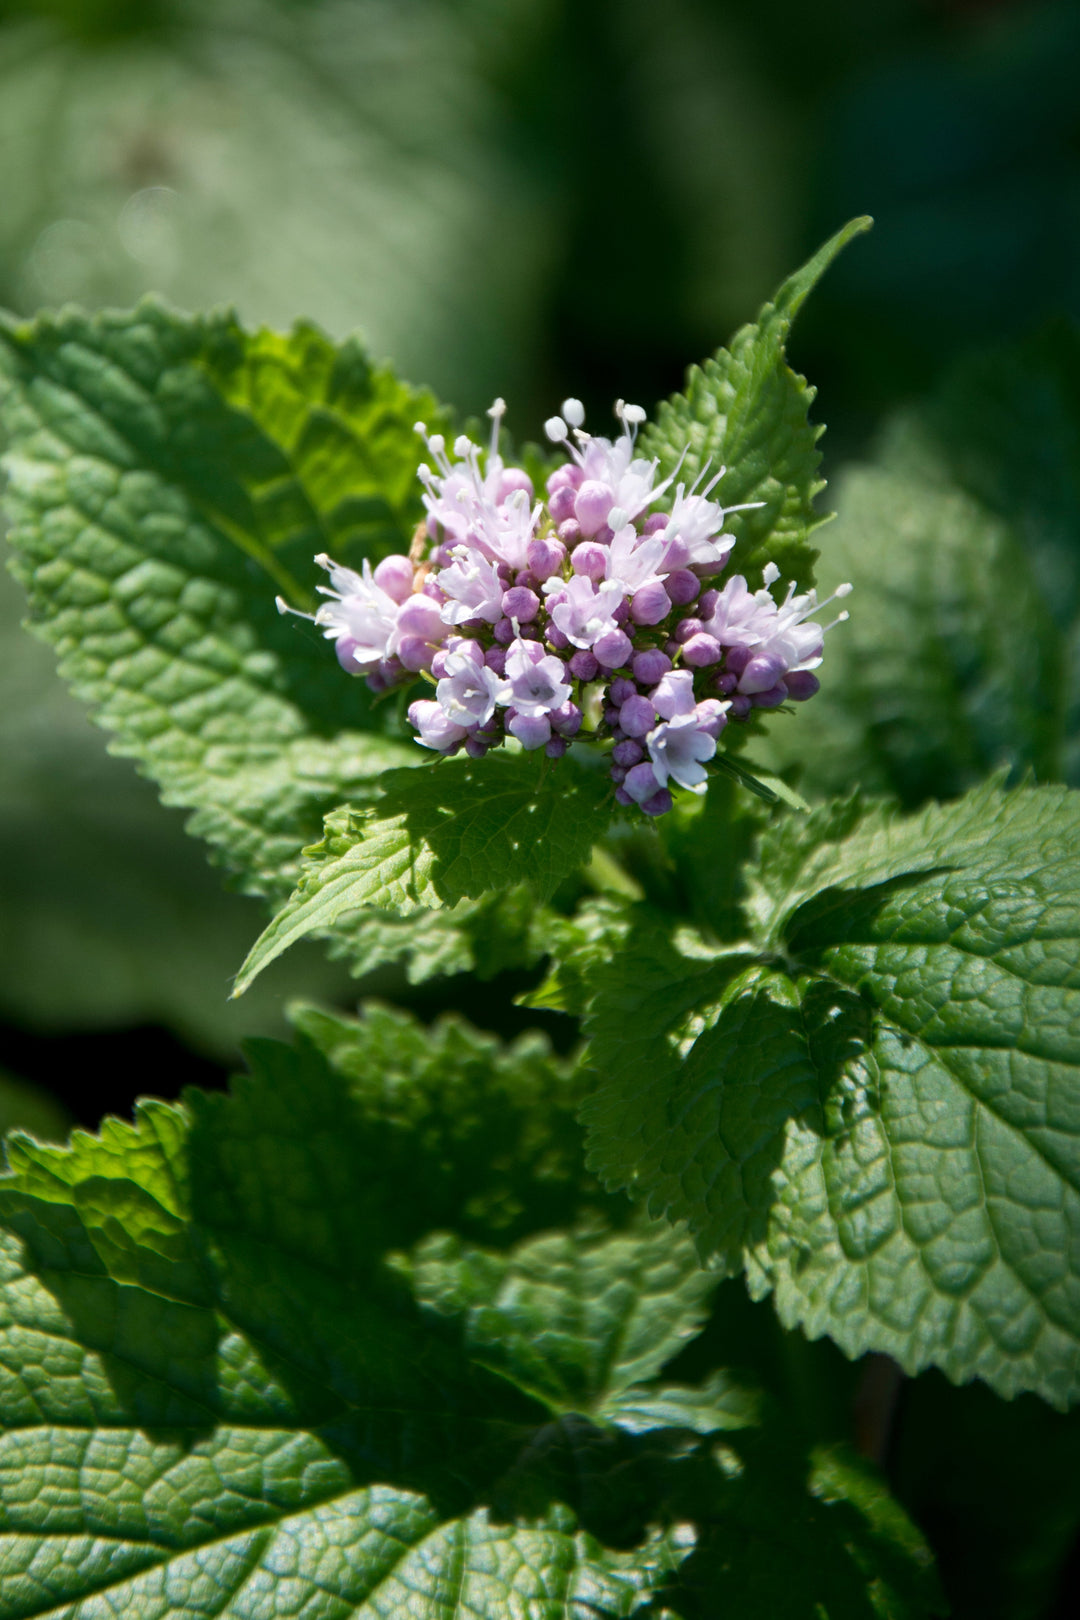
(462, 445)
(574, 412)
(556, 429)
(770, 573)
(633, 415)
(283, 608)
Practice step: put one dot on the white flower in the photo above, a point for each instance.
(469, 690)
(632, 561)
(361, 610)
(472, 587)
(677, 749)
(535, 681)
(583, 611)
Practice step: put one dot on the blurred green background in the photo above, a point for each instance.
(525, 197)
(517, 197)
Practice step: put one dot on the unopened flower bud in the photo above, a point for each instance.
(475, 747)
(495, 659)
(641, 782)
(556, 638)
(420, 616)
(561, 503)
(650, 666)
(531, 730)
(621, 689)
(567, 720)
(687, 628)
(736, 659)
(740, 706)
(415, 653)
(594, 502)
(677, 554)
(801, 684)
(345, 647)
(589, 559)
(621, 795)
(627, 753)
(521, 604)
(570, 533)
(514, 478)
(545, 557)
(583, 666)
(650, 604)
(613, 649)
(556, 748)
(702, 650)
(707, 606)
(682, 587)
(761, 674)
(771, 699)
(504, 632)
(655, 522)
(637, 716)
(395, 576)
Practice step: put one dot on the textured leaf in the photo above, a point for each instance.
(878, 1115)
(166, 475)
(963, 543)
(746, 410)
(452, 832)
(241, 1371)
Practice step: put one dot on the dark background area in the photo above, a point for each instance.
(517, 197)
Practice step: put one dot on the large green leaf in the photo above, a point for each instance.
(166, 476)
(241, 1370)
(746, 410)
(962, 539)
(453, 832)
(873, 1106)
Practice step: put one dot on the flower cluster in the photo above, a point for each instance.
(589, 614)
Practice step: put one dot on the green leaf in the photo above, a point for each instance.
(962, 539)
(746, 410)
(875, 1112)
(240, 1366)
(166, 476)
(455, 831)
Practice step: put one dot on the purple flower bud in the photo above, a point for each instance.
(567, 720)
(761, 673)
(583, 666)
(377, 682)
(736, 659)
(475, 748)
(611, 714)
(514, 478)
(621, 689)
(605, 535)
(740, 706)
(801, 684)
(771, 699)
(672, 648)
(531, 730)
(637, 716)
(618, 773)
(561, 503)
(650, 666)
(707, 606)
(621, 795)
(556, 638)
(659, 804)
(589, 559)
(687, 628)
(613, 649)
(545, 557)
(495, 659)
(628, 753)
(570, 474)
(724, 684)
(702, 650)
(345, 646)
(641, 782)
(504, 632)
(622, 612)
(521, 603)
(570, 534)
(529, 581)
(655, 522)
(682, 587)
(556, 748)
(594, 502)
(395, 576)
(531, 632)
(438, 663)
(415, 653)
(650, 604)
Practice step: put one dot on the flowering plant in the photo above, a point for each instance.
(588, 604)
(379, 1331)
